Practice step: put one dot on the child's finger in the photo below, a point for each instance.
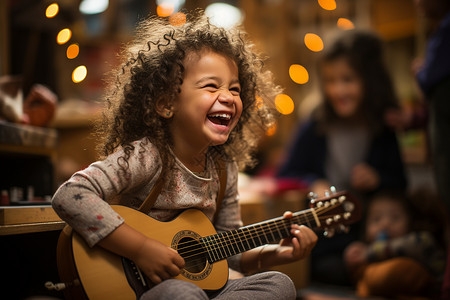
(287, 214)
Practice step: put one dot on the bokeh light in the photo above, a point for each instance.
(177, 19)
(72, 51)
(345, 24)
(79, 74)
(313, 42)
(165, 9)
(63, 36)
(298, 74)
(224, 15)
(284, 104)
(327, 4)
(272, 130)
(93, 7)
(52, 10)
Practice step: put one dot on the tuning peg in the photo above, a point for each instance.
(312, 196)
(329, 232)
(333, 189)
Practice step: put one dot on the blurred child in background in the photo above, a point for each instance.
(345, 142)
(403, 249)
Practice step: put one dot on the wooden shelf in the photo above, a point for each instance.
(27, 219)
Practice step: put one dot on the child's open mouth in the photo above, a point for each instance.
(220, 119)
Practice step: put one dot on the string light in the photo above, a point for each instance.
(313, 42)
(327, 4)
(284, 104)
(64, 36)
(165, 9)
(52, 10)
(72, 51)
(177, 19)
(79, 74)
(345, 24)
(298, 74)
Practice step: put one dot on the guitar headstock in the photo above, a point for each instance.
(335, 211)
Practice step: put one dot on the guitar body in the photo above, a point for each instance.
(104, 275)
(97, 274)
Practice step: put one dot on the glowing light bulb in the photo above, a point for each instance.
(284, 104)
(177, 19)
(345, 24)
(165, 9)
(63, 36)
(272, 130)
(72, 51)
(79, 74)
(313, 42)
(52, 10)
(327, 4)
(298, 74)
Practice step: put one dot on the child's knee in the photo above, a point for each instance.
(175, 289)
(281, 284)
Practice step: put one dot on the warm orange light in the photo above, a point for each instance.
(259, 102)
(177, 19)
(52, 10)
(298, 74)
(79, 74)
(284, 104)
(327, 4)
(164, 9)
(313, 42)
(345, 24)
(272, 130)
(63, 36)
(72, 51)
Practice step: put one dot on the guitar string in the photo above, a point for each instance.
(303, 213)
(270, 227)
(200, 262)
(266, 228)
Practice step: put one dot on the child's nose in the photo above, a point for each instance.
(226, 97)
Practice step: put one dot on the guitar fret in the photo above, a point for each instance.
(214, 248)
(221, 251)
(207, 243)
(227, 244)
(235, 244)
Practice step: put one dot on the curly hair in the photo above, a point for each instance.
(363, 50)
(152, 73)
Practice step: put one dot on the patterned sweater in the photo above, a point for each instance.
(83, 201)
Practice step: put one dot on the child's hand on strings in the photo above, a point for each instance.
(298, 246)
(157, 261)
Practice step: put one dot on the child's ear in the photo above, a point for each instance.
(164, 110)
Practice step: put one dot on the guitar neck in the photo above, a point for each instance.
(225, 244)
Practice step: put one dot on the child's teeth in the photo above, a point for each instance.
(225, 116)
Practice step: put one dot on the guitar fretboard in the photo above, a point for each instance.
(225, 244)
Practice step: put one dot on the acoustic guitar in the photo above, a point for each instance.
(94, 273)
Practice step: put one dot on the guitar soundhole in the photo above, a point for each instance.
(193, 253)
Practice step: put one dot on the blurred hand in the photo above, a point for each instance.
(364, 177)
(355, 255)
(398, 119)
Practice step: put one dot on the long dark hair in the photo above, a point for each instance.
(363, 51)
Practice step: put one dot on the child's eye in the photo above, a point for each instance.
(235, 90)
(210, 85)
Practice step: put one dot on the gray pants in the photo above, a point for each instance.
(265, 286)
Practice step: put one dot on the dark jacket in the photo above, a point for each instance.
(306, 158)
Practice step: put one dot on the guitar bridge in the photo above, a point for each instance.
(135, 278)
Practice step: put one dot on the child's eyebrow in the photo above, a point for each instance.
(216, 78)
